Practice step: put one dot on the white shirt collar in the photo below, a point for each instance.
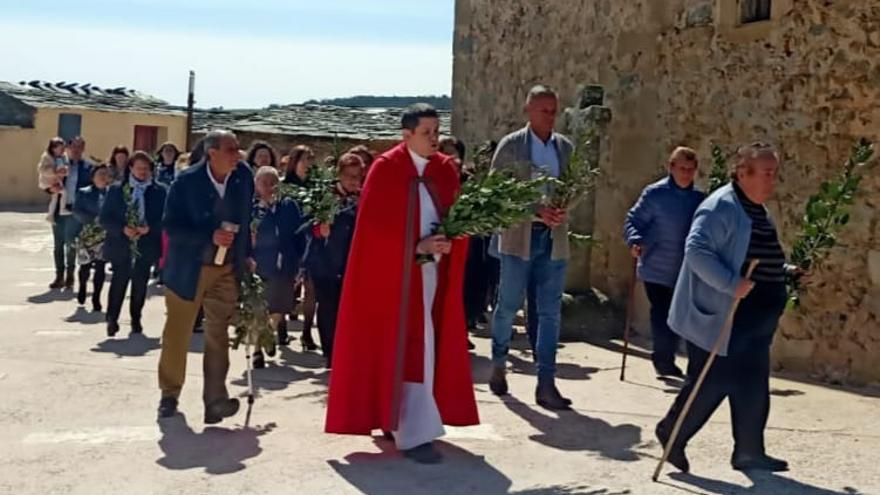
(419, 161)
(219, 186)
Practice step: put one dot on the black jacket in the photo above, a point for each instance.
(113, 219)
(87, 206)
(326, 258)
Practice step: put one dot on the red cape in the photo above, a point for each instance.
(368, 367)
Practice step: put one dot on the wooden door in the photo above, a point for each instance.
(146, 138)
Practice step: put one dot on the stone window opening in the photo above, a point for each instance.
(755, 11)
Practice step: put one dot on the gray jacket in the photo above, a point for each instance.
(514, 155)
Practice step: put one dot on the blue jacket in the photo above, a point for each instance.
(714, 254)
(88, 203)
(190, 222)
(326, 258)
(113, 219)
(659, 222)
(278, 235)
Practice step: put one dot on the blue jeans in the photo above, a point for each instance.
(548, 277)
(64, 232)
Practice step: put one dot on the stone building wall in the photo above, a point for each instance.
(683, 72)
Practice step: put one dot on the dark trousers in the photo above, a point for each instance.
(328, 292)
(123, 273)
(64, 249)
(85, 271)
(481, 275)
(665, 340)
(743, 376)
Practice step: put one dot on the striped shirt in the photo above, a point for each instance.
(764, 243)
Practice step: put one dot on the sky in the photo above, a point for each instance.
(246, 53)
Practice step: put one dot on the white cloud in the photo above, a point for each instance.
(232, 70)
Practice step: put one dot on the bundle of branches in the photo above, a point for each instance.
(90, 236)
(318, 199)
(489, 203)
(719, 175)
(826, 213)
(252, 325)
(132, 219)
(579, 178)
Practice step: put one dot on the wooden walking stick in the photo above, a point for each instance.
(728, 325)
(629, 311)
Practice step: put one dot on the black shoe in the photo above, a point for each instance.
(308, 343)
(219, 409)
(757, 462)
(68, 281)
(668, 369)
(471, 345)
(283, 337)
(498, 382)
(387, 435)
(81, 295)
(676, 455)
(258, 361)
(548, 397)
(96, 306)
(424, 454)
(112, 328)
(167, 407)
(136, 326)
(58, 282)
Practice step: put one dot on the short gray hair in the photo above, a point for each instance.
(747, 154)
(213, 139)
(540, 90)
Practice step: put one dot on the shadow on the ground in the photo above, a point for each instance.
(762, 483)
(389, 472)
(573, 431)
(481, 367)
(86, 317)
(52, 295)
(135, 345)
(574, 489)
(216, 450)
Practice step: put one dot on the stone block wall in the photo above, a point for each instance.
(683, 72)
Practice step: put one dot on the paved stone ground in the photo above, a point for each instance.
(78, 416)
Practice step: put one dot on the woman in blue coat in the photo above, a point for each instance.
(142, 228)
(278, 249)
(328, 250)
(90, 255)
(655, 231)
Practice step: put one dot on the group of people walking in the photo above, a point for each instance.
(392, 327)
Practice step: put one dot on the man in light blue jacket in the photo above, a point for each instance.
(730, 228)
(655, 231)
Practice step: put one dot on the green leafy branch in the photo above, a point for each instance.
(579, 177)
(488, 203)
(132, 219)
(719, 175)
(251, 323)
(826, 213)
(318, 199)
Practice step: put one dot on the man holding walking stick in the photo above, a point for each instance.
(655, 231)
(731, 227)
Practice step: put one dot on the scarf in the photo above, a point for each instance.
(138, 194)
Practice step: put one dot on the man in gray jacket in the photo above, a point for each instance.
(534, 251)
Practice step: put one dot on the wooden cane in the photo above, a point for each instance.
(629, 311)
(728, 325)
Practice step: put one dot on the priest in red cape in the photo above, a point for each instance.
(400, 362)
